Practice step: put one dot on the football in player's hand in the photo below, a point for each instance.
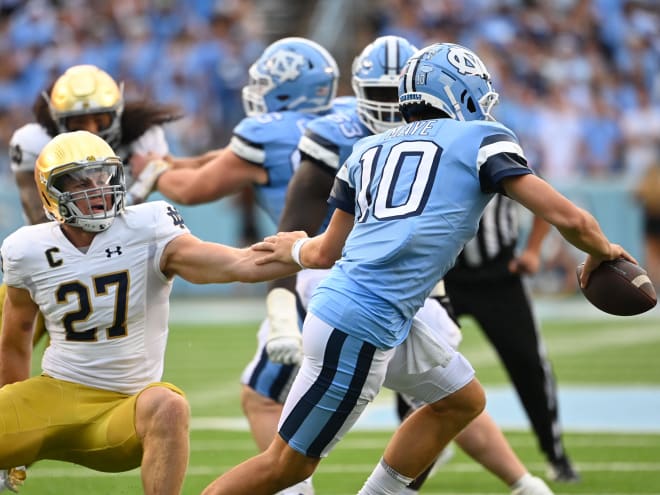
(619, 287)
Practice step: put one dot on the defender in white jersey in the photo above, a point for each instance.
(87, 98)
(291, 83)
(407, 201)
(101, 274)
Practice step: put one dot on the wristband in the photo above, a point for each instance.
(295, 250)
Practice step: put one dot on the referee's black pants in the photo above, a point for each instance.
(502, 308)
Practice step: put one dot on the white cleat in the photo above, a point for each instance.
(531, 485)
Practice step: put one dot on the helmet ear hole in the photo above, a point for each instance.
(471, 106)
(450, 78)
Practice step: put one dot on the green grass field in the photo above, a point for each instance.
(206, 361)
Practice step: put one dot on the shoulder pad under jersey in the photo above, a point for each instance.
(25, 145)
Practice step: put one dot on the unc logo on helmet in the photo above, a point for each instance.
(291, 74)
(449, 78)
(285, 65)
(466, 62)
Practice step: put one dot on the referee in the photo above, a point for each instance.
(486, 283)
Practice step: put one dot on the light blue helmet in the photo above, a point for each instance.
(291, 74)
(375, 81)
(450, 78)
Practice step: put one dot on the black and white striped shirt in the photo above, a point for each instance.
(497, 234)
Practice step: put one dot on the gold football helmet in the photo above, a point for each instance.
(80, 181)
(84, 90)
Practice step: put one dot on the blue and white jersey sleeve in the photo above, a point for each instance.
(328, 140)
(271, 141)
(499, 156)
(342, 195)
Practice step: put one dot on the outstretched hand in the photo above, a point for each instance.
(527, 263)
(277, 247)
(591, 263)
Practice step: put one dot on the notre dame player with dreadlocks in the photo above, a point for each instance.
(87, 98)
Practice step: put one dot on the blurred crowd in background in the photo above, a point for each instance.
(579, 80)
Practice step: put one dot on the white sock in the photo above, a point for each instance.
(385, 481)
(409, 491)
(304, 486)
(521, 482)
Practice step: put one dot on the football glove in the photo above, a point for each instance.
(146, 182)
(12, 479)
(284, 341)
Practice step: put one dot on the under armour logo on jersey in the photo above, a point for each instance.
(285, 65)
(176, 217)
(109, 252)
(466, 62)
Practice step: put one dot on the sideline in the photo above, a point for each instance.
(232, 309)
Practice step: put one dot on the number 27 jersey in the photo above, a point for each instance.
(106, 309)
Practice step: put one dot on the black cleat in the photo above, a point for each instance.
(562, 471)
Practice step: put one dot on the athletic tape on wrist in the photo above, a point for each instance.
(295, 250)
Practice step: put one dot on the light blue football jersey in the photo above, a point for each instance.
(271, 140)
(417, 193)
(329, 139)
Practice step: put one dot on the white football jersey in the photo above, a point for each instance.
(106, 310)
(27, 142)
(25, 145)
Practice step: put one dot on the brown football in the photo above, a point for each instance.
(619, 287)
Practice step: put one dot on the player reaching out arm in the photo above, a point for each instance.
(101, 274)
(87, 98)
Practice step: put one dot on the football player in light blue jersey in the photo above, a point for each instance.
(406, 200)
(326, 144)
(293, 82)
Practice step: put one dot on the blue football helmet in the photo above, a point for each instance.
(376, 80)
(291, 74)
(450, 78)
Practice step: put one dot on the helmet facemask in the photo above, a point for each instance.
(253, 93)
(375, 81)
(86, 90)
(88, 195)
(378, 106)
